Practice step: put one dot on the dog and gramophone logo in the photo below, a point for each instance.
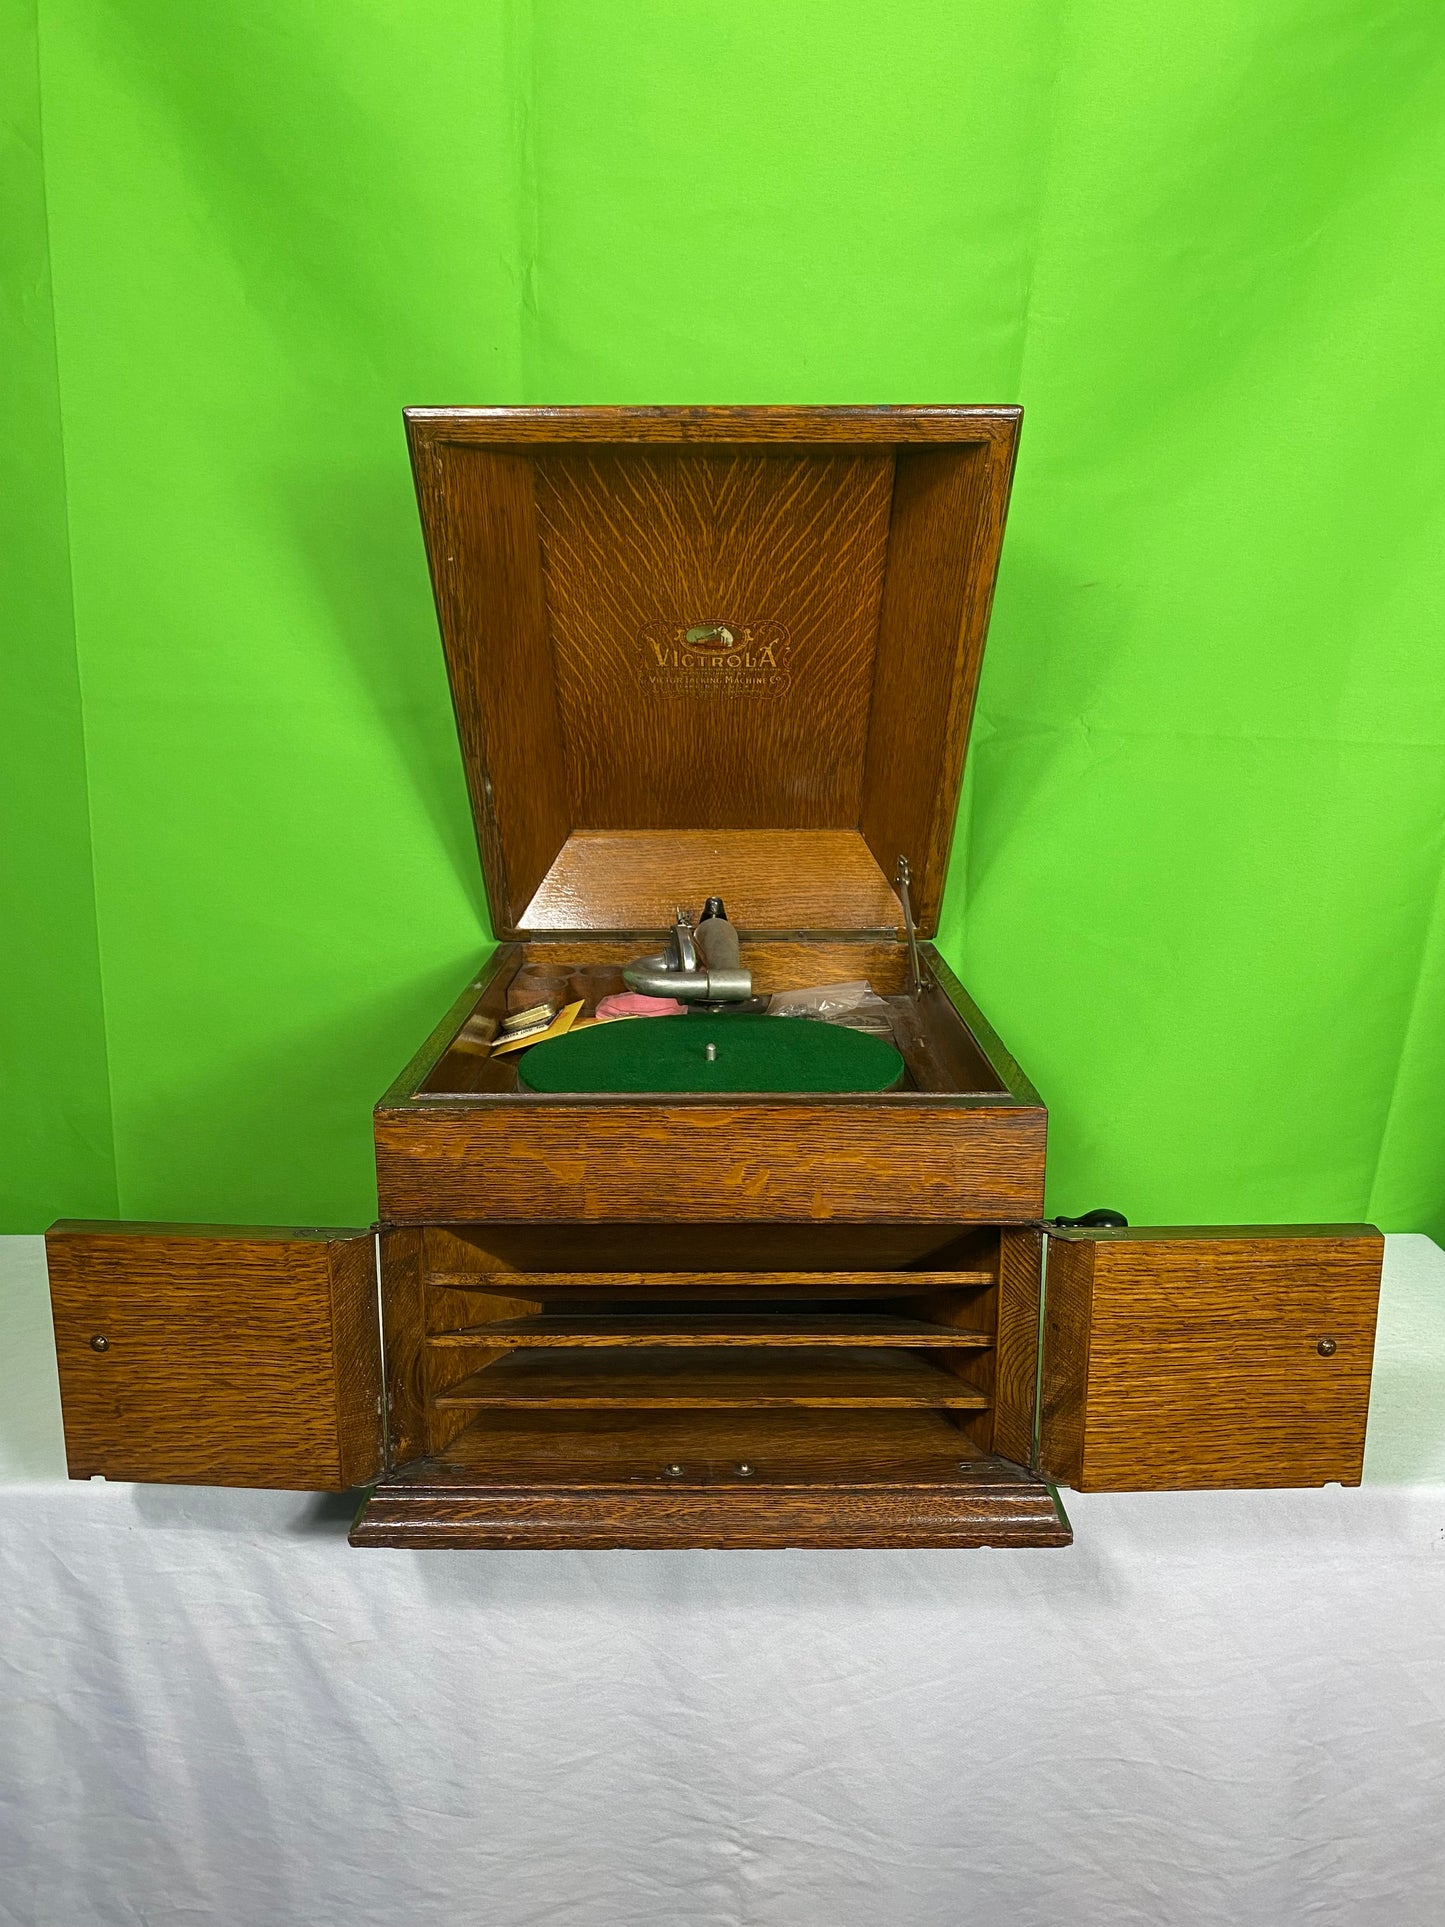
(715, 658)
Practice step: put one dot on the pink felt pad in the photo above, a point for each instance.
(631, 1003)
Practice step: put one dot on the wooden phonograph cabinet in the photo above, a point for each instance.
(699, 653)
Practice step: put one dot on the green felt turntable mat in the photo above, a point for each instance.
(753, 1054)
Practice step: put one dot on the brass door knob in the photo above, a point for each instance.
(1326, 1348)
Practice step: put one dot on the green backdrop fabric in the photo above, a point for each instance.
(57, 1152)
(1197, 883)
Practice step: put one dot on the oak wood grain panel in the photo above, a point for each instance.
(403, 1325)
(684, 1330)
(769, 880)
(1068, 1309)
(478, 513)
(594, 1519)
(357, 1375)
(1203, 1366)
(230, 1357)
(1017, 1353)
(882, 424)
(784, 549)
(713, 1379)
(789, 514)
(943, 548)
(704, 1162)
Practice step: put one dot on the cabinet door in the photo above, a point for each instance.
(1208, 1357)
(218, 1355)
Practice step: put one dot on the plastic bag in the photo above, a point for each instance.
(855, 1005)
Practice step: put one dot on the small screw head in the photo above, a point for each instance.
(743, 1469)
(1326, 1348)
(672, 1471)
(100, 1343)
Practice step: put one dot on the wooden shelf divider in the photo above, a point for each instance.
(714, 1379)
(683, 1329)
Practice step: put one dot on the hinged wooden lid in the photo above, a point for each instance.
(699, 650)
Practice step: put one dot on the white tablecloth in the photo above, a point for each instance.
(1215, 1708)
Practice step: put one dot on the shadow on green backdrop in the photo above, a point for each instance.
(1197, 878)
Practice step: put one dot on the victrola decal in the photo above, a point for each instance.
(715, 658)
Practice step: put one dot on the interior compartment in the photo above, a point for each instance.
(940, 1052)
(757, 1259)
(510, 1321)
(572, 1384)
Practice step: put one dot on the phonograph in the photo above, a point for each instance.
(717, 1225)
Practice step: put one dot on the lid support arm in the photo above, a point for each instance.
(902, 877)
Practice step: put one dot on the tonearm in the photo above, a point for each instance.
(701, 965)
